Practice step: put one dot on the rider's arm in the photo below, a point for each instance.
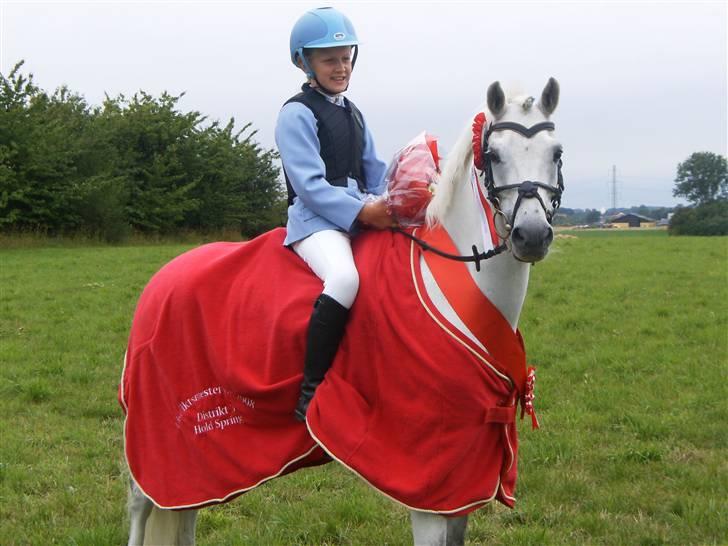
(297, 141)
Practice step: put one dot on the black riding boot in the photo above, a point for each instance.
(325, 331)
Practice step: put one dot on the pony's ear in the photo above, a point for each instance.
(549, 97)
(496, 99)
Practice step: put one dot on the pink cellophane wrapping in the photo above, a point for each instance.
(410, 178)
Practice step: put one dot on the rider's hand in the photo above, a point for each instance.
(375, 214)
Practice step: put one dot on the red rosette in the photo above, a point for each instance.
(478, 124)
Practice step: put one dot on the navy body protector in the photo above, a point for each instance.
(341, 138)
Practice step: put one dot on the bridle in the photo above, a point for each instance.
(528, 189)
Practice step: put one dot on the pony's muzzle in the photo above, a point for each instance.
(531, 243)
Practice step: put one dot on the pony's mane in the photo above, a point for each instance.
(457, 166)
(459, 161)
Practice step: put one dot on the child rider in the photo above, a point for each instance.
(330, 167)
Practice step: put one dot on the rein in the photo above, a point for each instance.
(476, 257)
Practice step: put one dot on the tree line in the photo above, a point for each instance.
(702, 179)
(133, 164)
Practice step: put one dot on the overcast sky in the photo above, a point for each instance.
(643, 84)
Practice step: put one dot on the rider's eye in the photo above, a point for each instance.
(493, 156)
(557, 155)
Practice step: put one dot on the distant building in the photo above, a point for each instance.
(631, 220)
(665, 222)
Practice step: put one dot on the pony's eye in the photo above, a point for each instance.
(493, 156)
(557, 155)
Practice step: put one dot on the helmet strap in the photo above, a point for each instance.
(306, 67)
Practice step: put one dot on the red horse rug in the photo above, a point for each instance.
(215, 360)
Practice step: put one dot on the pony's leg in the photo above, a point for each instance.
(436, 530)
(164, 527)
(187, 525)
(139, 509)
(170, 527)
(456, 528)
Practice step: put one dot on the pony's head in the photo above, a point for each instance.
(522, 168)
(518, 159)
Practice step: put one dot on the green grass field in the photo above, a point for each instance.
(628, 331)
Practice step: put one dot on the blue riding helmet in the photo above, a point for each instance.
(320, 28)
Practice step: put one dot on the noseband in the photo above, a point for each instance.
(527, 189)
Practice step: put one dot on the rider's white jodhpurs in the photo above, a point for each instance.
(328, 254)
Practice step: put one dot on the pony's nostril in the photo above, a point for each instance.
(549, 236)
(517, 235)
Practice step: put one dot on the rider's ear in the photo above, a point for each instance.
(549, 97)
(496, 99)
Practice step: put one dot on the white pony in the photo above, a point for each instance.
(520, 169)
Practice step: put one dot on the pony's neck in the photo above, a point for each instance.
(502, 279)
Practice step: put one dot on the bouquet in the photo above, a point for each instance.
(411, 178)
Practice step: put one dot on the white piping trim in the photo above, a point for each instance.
(505, 495)
(121, 387)
(510, 448)
(390, 497)
(434, 292)
(201, 503)
(429, 312)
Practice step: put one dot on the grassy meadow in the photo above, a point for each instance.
(628, 331)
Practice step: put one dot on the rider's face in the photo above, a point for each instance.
(332, 66)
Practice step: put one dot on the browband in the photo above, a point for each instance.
(528, 132)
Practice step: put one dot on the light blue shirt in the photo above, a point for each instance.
(319, 205)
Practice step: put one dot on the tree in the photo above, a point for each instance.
(707, 219)
(701, 178)
(44, 155)
(131, 164)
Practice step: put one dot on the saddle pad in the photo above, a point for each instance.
(214, 364)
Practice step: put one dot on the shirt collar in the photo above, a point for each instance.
(338, 99)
